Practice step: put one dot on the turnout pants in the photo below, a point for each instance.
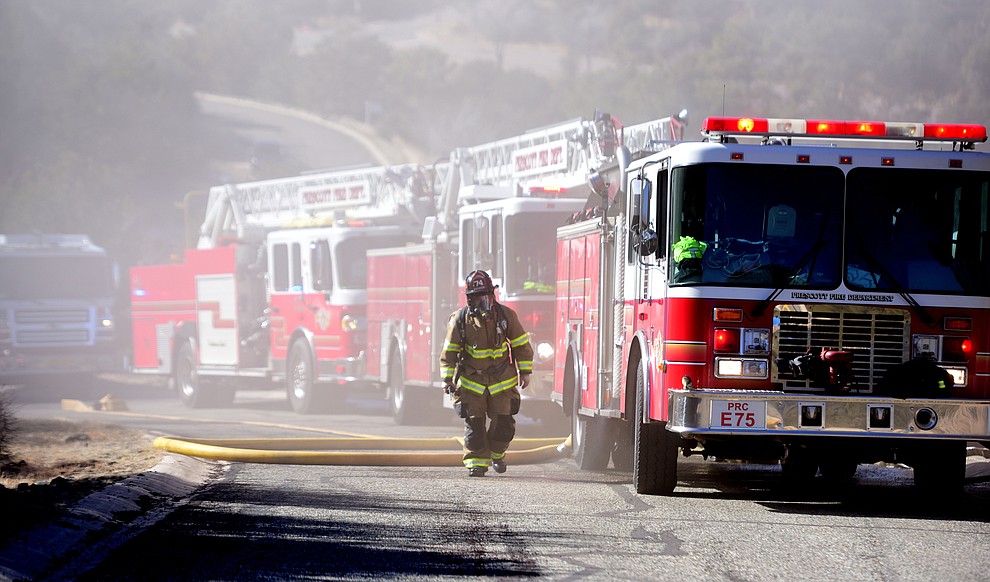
(484, 442)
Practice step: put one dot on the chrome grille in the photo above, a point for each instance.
(51, 337)
(878, 339)
(52, 327)
(49, 316)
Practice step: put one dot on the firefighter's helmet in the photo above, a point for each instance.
(478, 283)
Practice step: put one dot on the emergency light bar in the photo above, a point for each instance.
(849, 129)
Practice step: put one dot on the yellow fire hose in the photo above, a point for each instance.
(358, 450)
(369, 451)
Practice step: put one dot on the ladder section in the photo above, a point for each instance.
(549, 151)
(655, 135)
(373, 194)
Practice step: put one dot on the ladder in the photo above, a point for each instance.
(249, 210)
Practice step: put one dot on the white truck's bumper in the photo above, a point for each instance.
(696, 413)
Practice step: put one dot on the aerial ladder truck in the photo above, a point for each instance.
(275, 290)
(498, 208)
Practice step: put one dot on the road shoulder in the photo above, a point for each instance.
(105, 519)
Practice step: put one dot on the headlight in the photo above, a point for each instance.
(740, 368)
(348, 324)
(958, 375)
(544, 351)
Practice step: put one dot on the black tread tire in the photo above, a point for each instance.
(590, 438)
(193, 390)
(799, 467)
(409, 407)
(837, 469)
(623, 454)
(300, 380)
(655, 450)
(940, 467)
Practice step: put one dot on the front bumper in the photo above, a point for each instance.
(701, 413)
(14, 366)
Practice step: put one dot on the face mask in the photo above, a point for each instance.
(481, 305)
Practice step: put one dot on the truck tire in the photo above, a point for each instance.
(837, 467)
(939, 467)
(655, 450)
(299, 379)
(194, 391)
(799, 467)
(591, 440)
(408, 407)
(623, 455)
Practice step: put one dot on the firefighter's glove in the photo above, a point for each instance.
(448, 387)
(523, 382)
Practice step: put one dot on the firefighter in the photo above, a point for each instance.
(486, 359)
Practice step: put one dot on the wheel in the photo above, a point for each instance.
(408, 407)
(194, 392)
(939, 467)
(623, 457)
(299, 378)
(837, 467)
(799, 465)
(655, 449)
(590, 437)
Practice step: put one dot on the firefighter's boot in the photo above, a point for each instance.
(499, 464)
(477, 471)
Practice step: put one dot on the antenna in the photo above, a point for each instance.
(723, 99)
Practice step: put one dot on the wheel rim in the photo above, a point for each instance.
(299, 377)
(397, 397)
(578, 427)
(395, 384)
(187, 378)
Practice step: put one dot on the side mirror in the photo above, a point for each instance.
(644, 204)
(647, 243)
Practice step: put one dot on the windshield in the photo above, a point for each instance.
(756, 225)
(55, 277)
(531, 253)
(918, 231)
(352, 262)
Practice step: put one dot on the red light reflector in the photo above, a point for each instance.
(866, 128)
(735, 124)
(956, 131)
(886, 161)
(955, 163)
(845, 160)
(804, 159)
(736, 156)
(727, 314)
(859, 128)
(953, 323)
(727, 340)
(821, 127)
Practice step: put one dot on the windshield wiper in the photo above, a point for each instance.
(810, 257)
(877, 268)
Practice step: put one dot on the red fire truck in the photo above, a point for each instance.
(813, 293)
(276, 289)
(499, 206)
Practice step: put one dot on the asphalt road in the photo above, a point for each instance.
(724, 521)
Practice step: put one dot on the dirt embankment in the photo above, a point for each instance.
(51, 464)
